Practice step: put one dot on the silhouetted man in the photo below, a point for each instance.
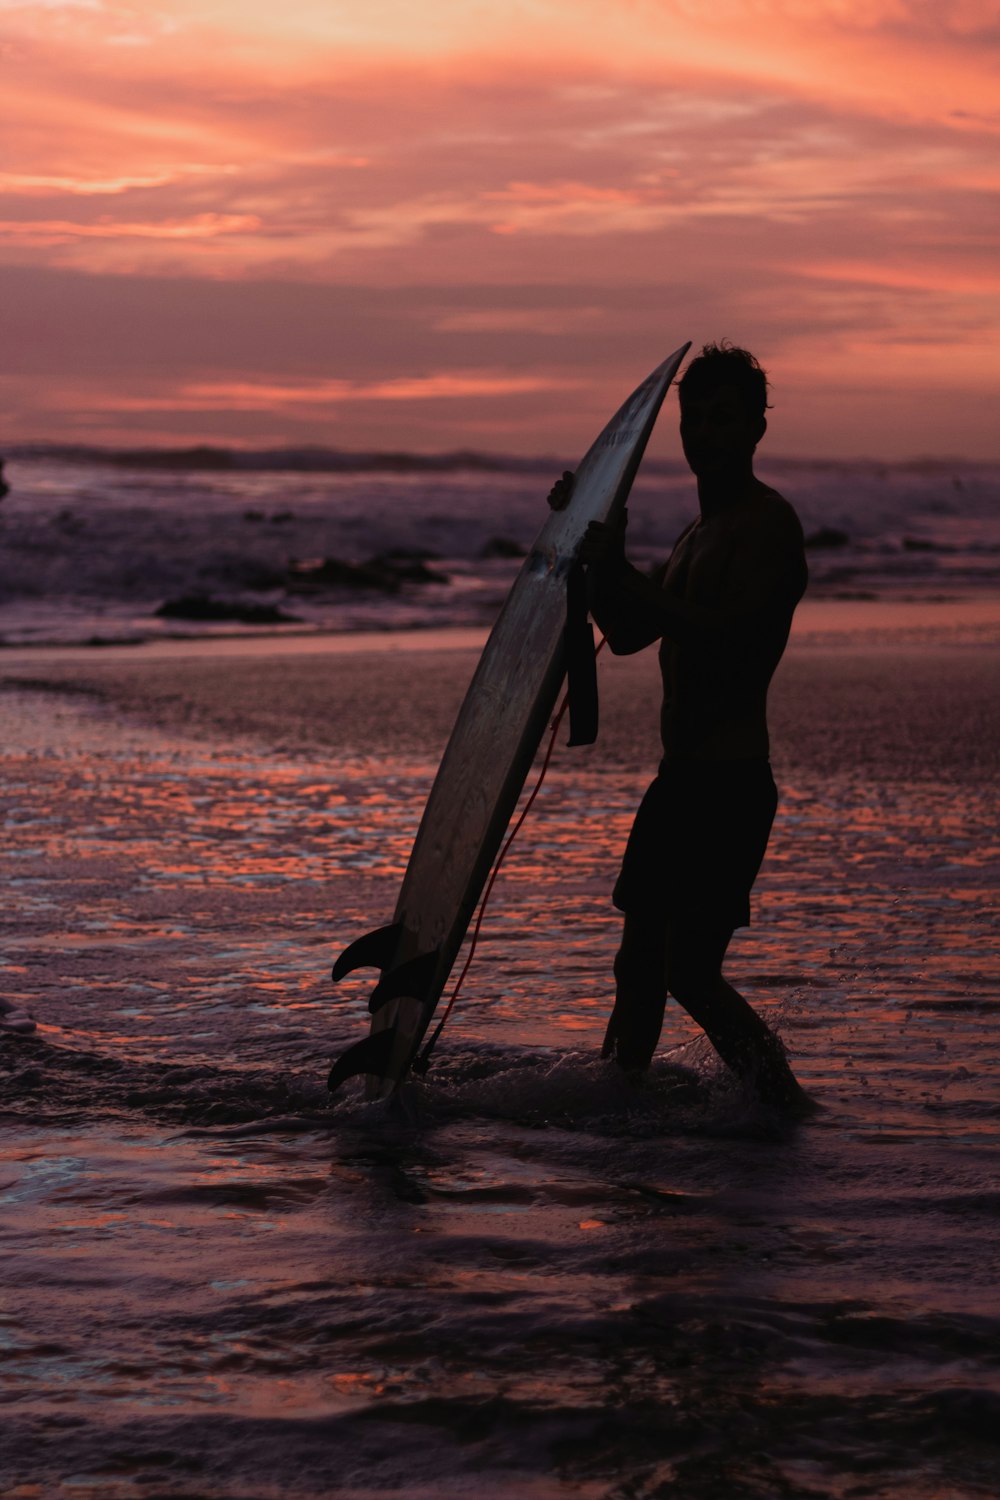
(722, 608)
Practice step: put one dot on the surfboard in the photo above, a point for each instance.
(498, 730)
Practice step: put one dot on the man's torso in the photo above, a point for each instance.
(715, 692)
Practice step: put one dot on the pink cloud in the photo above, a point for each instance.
(940, 277)
(42, 232)
(546, 213)
(267, 396)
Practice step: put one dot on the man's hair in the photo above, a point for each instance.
(725, 364)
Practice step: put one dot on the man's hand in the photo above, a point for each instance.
(561, 491)
(603, 542)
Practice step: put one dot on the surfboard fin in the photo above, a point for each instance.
(412, 979)
(371, 951)
(368, 1056)
(581, 662)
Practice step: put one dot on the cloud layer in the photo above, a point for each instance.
(481, 225)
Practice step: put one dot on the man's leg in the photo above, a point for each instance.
(694, 954)
(656, 956)
(640, 992)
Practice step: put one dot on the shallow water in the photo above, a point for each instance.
(527, 1278)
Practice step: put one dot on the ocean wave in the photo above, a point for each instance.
(102, 546)
(308, 460)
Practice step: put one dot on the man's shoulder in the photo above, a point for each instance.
(771, 512)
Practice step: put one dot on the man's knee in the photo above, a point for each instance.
(641, 957)
(693, 962)
(687, 980)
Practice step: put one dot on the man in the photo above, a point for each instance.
(722, 608)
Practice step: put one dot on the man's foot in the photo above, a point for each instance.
(631, 1057)
(632, 1062)
(770, 1076)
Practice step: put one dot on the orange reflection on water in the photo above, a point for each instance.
(360, 1384)
(205, 894)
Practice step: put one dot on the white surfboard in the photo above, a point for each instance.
(485, 763)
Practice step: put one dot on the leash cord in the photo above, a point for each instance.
(423, 1061)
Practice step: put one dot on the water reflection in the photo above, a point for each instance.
(653, 1284)
(207, 886)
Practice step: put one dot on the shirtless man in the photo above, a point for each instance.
(722, 608)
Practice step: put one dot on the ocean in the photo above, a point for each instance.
(101, 548)
(525, 1277)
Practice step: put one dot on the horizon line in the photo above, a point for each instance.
(320, 458)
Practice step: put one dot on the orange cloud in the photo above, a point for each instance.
(556, 187)
(266, 396)
(901, 58)
(30, 184)
(534, 320)
(941, 276)
(42, 232)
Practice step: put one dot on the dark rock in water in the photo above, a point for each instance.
(919, 544)
(68, 521)
(830, 576)
(256, 577)
(331, 573)
(503, 546)
(827, 536)
(407, 554)
(386, 574)
(406, 569)
(206, 609)
(281, 517)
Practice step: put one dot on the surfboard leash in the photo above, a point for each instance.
(422, 1061)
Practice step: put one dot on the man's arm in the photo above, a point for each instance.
(617, 593)
(765, 573)
(624, 625)
(625, 605)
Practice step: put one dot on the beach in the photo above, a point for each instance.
(527, 1277)
(326, 332)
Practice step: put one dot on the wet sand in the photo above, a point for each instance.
(534, 1281)
(887, 692)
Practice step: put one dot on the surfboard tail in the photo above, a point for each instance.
(373, 951)
(368, 1056)
(413, 979)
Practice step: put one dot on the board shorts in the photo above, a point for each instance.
(698, 840)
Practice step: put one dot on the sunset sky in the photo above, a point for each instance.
(461, 224)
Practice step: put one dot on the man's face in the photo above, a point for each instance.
(717, 433)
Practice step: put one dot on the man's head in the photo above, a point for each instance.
(723, 398)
